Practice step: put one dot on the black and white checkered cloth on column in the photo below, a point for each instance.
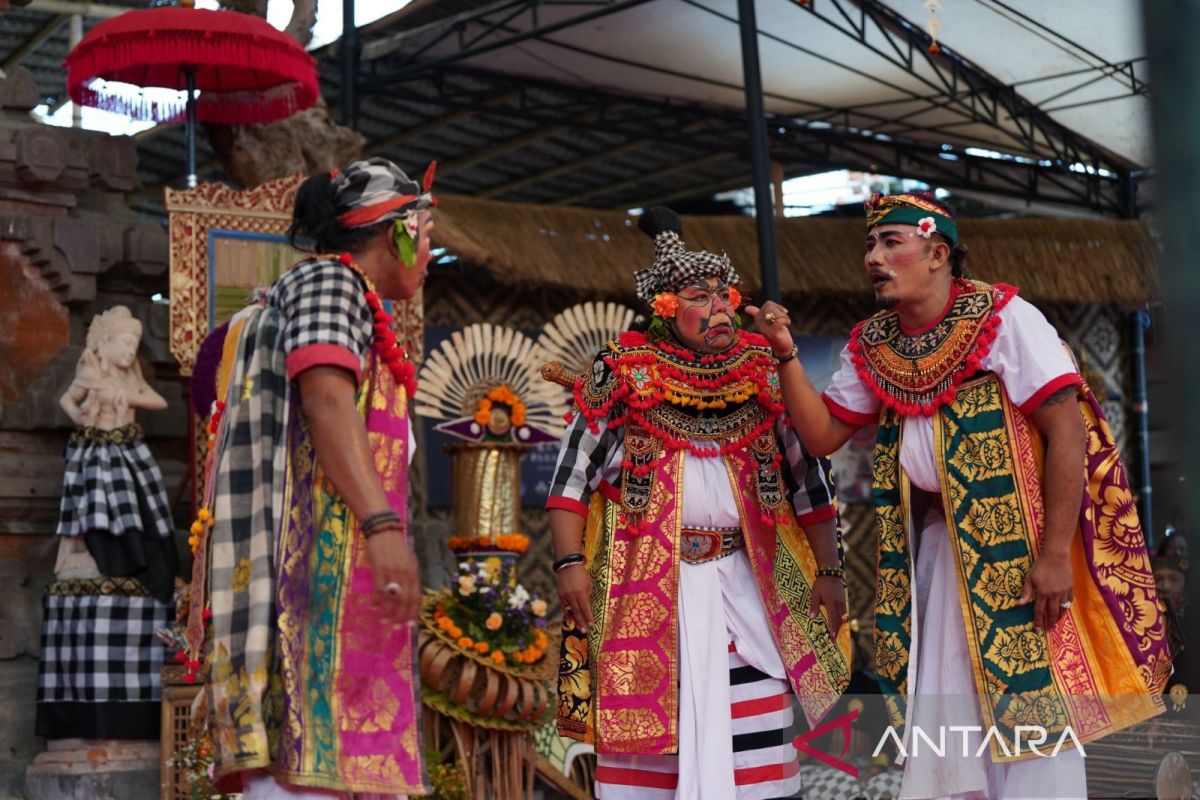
(101, 648)
(675, 267)
(113, 488)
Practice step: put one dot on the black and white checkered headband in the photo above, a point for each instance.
(675, 267)
(376, 190)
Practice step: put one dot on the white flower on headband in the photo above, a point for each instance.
(926, 227)
(411, 223)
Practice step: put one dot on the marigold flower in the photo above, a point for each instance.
(494, 621)
(498, 657)
(466, 642)
(482, 647)
(665, 304)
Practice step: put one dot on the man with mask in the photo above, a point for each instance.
(692, 606)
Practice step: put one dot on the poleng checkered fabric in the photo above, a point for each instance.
(101, 648)
(113, 488)
(322, 302)
(675, 267)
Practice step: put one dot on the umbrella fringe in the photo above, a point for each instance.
(116, 59)
(245, 108)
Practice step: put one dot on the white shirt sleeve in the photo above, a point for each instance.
(1029, 357)
(848, 398)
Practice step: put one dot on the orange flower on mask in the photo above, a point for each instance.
(665, 305)
(735, 297)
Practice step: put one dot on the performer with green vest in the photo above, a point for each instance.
(1008, 537)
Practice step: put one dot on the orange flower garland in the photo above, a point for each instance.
(505, 396)
(505, 542)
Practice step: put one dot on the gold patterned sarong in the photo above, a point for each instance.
(1103, 666)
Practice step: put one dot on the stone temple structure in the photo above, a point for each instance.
(69, 248)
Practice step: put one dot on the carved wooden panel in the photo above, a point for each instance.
(223, 243)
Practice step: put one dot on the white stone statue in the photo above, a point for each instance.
(112, 489)
(108, 383)
(116, 564)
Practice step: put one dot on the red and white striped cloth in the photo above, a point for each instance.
(765, 762)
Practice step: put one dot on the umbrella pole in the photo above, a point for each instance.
(190, 126)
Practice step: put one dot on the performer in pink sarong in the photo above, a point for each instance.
(312, 582)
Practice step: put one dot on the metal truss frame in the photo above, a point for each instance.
(456, 91)
(960, 84)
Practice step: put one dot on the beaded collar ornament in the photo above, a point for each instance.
(708, 404)
(915, 372)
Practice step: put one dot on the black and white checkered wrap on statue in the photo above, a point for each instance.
(113, 488)
(675, 267)
(101, 648)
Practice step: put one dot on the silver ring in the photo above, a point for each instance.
(1066, 604)
(393, 589)
(770, 317)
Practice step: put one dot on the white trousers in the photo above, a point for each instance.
(945, 696)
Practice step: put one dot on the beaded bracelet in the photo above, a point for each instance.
(832, 572)
(788, 357)
(569, 560)
(383, 527)
(372, 521)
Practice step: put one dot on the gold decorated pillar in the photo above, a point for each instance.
(485, 484)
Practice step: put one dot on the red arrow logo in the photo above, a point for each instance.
(842, 723)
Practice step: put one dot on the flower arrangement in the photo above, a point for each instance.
(505, 396)
(505, 542)
(197, 770)
(491, 616)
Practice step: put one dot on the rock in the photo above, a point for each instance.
(304, 143)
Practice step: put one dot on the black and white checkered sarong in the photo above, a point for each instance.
(112, 488)
(100, 647)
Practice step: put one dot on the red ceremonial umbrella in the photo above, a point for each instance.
(246, 70)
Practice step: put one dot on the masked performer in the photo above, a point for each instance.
(692, 606)
(1014, 587)
(312, 685)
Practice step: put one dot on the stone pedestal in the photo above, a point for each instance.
(91, 769)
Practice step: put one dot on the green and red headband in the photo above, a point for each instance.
(912, 209)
